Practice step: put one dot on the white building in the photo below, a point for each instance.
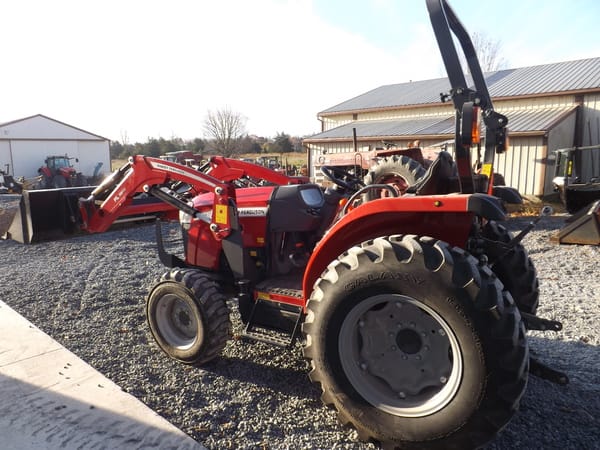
(25, 144)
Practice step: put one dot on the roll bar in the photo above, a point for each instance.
(445, 25)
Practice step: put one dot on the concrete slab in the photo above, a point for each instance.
(51, 399)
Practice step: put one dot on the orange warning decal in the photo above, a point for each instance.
(221, 214)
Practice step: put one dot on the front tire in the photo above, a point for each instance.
(415, 345)
(188, 316)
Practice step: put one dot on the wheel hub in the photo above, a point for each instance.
(175, 321)
(181, 317)
(403, 346)
(400, 355)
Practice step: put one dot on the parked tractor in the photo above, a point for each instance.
(58, 172)
(8, 184)
(273, 162)
(185, 158)
(412, 309)
(577, 176)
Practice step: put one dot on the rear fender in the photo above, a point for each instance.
(448, 218)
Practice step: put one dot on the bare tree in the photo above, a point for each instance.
(488, 52)
(124, 137)
(226, 128)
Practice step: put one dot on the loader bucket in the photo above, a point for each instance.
(9, 205)
(581, 228)
(46, 214)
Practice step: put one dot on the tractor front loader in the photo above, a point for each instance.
(412, 309)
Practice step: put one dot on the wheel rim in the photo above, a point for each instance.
(176, 322)
(400, 355)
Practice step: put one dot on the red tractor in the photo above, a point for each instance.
(412, 309)
(58, 172)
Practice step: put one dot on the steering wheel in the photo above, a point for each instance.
(342, 178)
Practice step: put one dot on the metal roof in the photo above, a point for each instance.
(29, 128)
(552, 78)
(519, 121)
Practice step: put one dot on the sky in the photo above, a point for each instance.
(130, 70)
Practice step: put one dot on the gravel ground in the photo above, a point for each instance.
(88, 293)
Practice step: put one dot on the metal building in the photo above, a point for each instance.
(25, 144)
(549, 107)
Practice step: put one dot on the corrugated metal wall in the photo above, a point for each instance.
(590, 160)
(522, 165)
(443, 111)
(591, 116)
(561, 136)
(332, 122)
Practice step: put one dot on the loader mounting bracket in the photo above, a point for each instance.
(166, 258)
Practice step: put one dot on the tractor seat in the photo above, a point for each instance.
(440, 177)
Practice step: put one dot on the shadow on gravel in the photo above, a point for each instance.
(262, 371)
(553, 416)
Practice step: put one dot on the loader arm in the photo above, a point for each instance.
(153, 176)
(229, 169)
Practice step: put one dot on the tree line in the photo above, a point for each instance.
(225, 134)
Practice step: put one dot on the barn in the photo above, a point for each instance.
(549, 107)
(25, 144)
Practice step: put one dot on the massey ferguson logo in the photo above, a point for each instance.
(252, 212)
(183, 172)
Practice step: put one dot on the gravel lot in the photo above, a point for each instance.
(88, 293)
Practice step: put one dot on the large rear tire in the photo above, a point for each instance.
(188, 316)
(398, 171)
(514, 268)
(416, 345)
